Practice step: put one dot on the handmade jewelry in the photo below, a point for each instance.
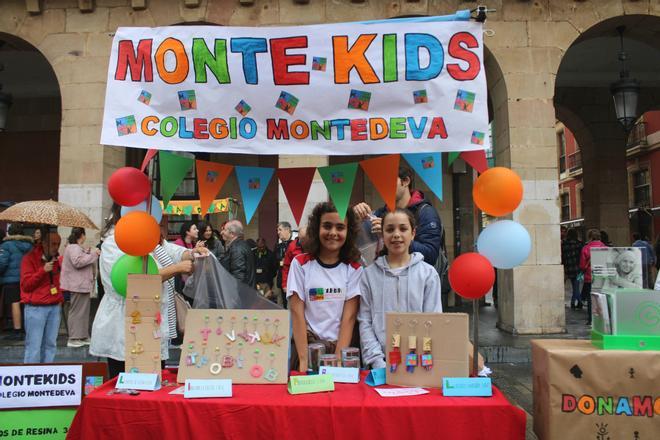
(203, 360)
(244, 334)
(427, 357)
(216, 368)
(271, 374)
(267, 338)
(156, 359)
(206, 330)
(239, 358)
(191, 357)
(412, 357)
(228, 360)
(157, 321)
(257, 370)
(276, 339)
(136, 317)
(138, 348)
(254, 336)
(395, 354)
(156, 298)
(218, 331)
(232, 335)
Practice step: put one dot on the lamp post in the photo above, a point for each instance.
(625, 91)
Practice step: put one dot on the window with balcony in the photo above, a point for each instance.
(641, 181)
(561, 141)
(565, 207)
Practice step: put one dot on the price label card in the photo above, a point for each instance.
(311, 384)
(343, 375)
(196, 388)
(138, 381)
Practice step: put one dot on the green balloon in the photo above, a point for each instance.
(126, 265)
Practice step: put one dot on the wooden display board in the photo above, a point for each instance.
(222, 344)
(449, 347)
(142, 323)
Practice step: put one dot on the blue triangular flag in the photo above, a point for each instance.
(253, 182)
(428, 166)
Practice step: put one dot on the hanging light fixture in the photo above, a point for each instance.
(625, 91)
(5, 103)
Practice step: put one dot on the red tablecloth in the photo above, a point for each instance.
(352, 411)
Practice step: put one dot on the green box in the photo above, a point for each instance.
(625, 342)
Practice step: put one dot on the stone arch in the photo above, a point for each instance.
(30, 144)
(498, 109)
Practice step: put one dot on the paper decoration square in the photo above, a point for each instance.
(187, 100)
(337, 177)
(420, 97)
(145, 97)
(428, 162)
(211, 176)
(254, 183)
(243, 108)
(287, 102)
(464, 101)
(359, 100)
(319, 63)
(478, 137)
(126, 125)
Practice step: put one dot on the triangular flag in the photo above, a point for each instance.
(253, 182)
(428, 166)
(453, 155)
(476, 159)
(151, 152)
(173, 168)
(383, 172)
(210, 178)
(295, 184)
(339, 181)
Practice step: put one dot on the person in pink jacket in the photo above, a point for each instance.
(585, 266)
(77, 278)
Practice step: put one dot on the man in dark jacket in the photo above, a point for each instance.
(238, 258)
(264, 262)
(14, 246)
(429, 234)
(284, 237)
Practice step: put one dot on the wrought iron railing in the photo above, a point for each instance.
(637, 136)
(575, 161)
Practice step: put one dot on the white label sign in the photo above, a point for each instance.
(195, 388)
(400, 392)
(342, 374)
(30, 386)
(138, 381)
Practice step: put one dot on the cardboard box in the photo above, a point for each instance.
(582, 392)
(449, 347)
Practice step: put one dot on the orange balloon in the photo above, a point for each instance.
(497, 191)
(137, 233)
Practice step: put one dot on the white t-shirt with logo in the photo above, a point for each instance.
(323, 289)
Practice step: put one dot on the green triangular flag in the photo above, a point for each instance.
(453, 155)
(173, 168)
(339, 180)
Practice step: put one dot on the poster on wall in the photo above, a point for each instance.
(331, 89)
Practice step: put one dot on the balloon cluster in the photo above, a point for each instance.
(137, 232)
(503, 244)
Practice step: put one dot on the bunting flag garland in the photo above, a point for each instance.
(339, 181)
(296, 183)
(476, 159)
(151, 152)
(428, 167)
(383, 172)
(453, 155)
(253, 182)
(211, 176)
(173, 168)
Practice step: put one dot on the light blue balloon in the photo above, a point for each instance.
(156, 210)
(505, 243)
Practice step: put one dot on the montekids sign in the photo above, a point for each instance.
(324, 89)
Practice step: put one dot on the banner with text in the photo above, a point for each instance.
(28, 386)
(332, 89)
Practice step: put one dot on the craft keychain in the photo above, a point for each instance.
(395, 354)
(156, 359)
(138, 348)
(203, 359)
(228, 360)
(206, 330)
(218, 331)
(191, 357)
(215, 367)
(244, 334)
(232, 336)
(427, 357)
(412, 358)
(157, 321)
(276, 339)
(254, 337)
(136, 317)
(267, 338)
(256, 370)
(133, 369)
(239, 358)
(271, 374)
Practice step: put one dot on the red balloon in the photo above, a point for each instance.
(128, 186)
(471, 275)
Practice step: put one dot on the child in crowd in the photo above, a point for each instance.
(399, 281)
(323, 285)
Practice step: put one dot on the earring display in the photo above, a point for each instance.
(436, 346)
(245, 346)
(143, 324)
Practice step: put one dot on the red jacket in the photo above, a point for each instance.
(36, 283)
(585, 258)
(294, 249)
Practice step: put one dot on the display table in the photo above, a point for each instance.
(352, 411)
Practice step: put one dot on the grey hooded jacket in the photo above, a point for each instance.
(415, 289)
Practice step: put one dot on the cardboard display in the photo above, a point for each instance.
(582, 392)
(271, 355)
(449, 347)
(142, 347)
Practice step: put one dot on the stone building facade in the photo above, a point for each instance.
(525, 44)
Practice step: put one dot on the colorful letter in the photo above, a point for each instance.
(341, 125)
(457, 51)
(316, 129)
(200, 128)
(282, 61)
(586, 404)
(398, 128)
(623, 406)
(346, 59)
(249, 47)
(378, 129)
(415, 42)
(218, 128)
(180, 72)
(243, 128)
(299, 129)
(642, 406)
(437, 128)
(216, 62)
(605, 405)
(568, 403)
(279, 130)
(417, 130)
(390, 70)
(145, 125)
(358, 129)
(137, 62)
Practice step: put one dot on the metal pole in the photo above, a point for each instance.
(145, 259)
(475, 335)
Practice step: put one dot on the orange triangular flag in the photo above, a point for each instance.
(295, 184)
(383, 172)
(210, 178)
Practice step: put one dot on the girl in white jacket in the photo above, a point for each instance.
(396, 282)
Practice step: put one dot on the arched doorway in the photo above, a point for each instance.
(30, 142)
